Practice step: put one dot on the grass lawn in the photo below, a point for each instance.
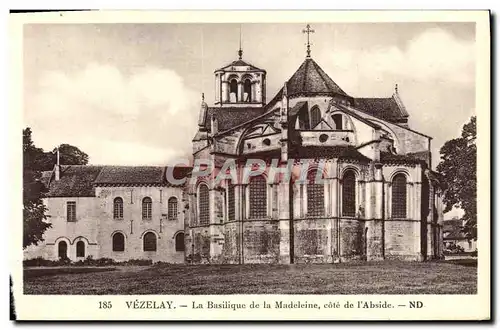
(347, 278)
(48, 271)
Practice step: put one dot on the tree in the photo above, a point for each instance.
(33, 208)
(68, 155)
(71, 155)
(458, 168)
(36, 160)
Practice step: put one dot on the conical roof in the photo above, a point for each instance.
(310, 79)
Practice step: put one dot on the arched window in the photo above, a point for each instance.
(118, 208)
(118, 242)
(337, 119)
(233, 90)
(179, 242)
(349, 194)
(258, 197)
(147, 205)
(172, 208)
(399, 196)
(149, 242)
(230, 202)
(80, 249)
(315, 195)
(247, 91)
(204, 205)
(315, 116)
(62, 250)
(303, 119)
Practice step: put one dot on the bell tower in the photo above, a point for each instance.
(240, 84)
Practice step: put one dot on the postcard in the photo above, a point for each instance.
(250, 165)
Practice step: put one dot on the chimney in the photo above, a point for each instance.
(57, 167)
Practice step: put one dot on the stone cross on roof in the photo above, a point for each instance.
(308, 30)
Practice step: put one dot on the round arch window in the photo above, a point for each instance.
(266, 142)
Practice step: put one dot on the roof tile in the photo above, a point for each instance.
(231, 117)
(310, 79)
(383, 108)
(80, 180)
(131, 175)
(75, 181)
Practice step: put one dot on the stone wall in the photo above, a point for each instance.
(84, 229)
(95, 225)
(402, 240)
(134, 227)
(351, 239)
(261, 242)
(313, 239)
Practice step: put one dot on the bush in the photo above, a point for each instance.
(89, 261)
(104, 262)
(193, 258)
(41, 262)
(64, 261)
(37, 262)
(138, 262)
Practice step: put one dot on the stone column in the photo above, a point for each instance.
(335, 207)
(417, 215)
(217, 88)
(375, 240)
(431, 223)
(284, 221)
(258, 90)
(213, 220)
(239, 97)
(254, 91)
(225, 91)
(243, 215)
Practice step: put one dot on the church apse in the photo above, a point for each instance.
(313, 176)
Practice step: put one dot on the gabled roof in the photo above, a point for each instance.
(390, 158)
(384, 108)
(131, 175)
(74, 181)
(422, 155)
(45, 177)
(230, 117)
(81, 180)
(310, 80)
(358, 117)
(239, 62)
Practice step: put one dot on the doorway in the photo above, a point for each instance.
(63, 250)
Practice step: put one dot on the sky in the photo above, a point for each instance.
(129, 94)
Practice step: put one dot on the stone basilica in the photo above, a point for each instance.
(377, 197)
